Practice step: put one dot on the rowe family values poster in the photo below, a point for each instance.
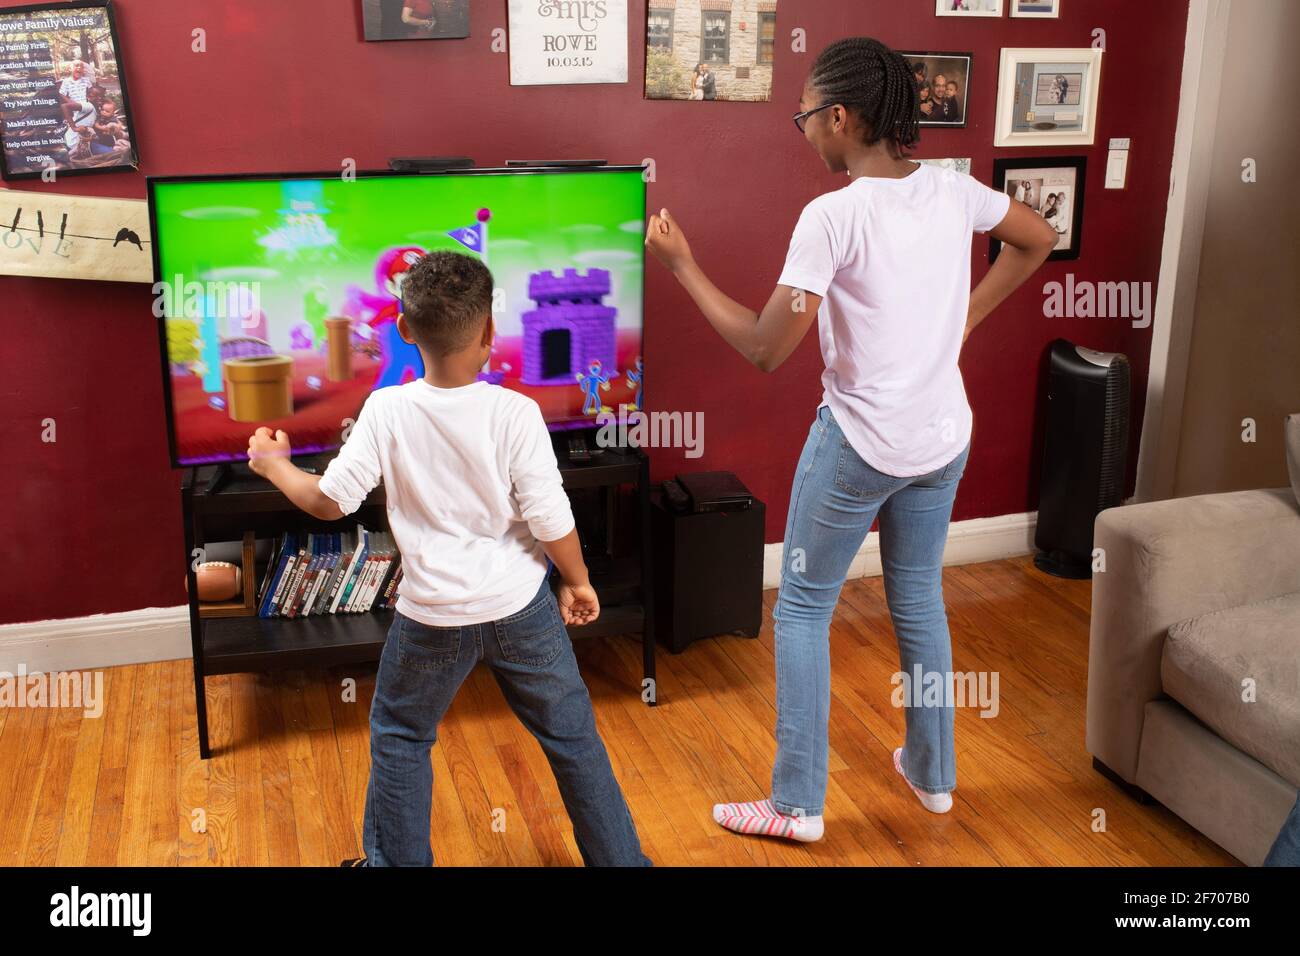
(568, 41)
(63, 101)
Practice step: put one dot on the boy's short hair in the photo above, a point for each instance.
(446, 298)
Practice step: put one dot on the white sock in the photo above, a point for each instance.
(934, 802)
(761, 818)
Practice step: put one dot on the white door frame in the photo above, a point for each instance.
(1180, 257)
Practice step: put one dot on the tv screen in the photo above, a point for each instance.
(278, 296)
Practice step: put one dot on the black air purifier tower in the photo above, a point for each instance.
(1084, 455)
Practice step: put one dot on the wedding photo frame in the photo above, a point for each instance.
(1048, 97)
(724, 52)
(1051, 186)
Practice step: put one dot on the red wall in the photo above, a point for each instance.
(91, 523)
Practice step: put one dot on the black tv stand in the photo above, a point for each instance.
(220, 475)
(223, 502)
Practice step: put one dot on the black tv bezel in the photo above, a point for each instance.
(110, 15)
(152, 181)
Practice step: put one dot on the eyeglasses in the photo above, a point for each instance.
(801, 119)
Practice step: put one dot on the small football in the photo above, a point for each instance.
(218, 581)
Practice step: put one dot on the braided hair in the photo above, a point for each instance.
(876, 83)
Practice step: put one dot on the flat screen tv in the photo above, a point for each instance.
(278, 295)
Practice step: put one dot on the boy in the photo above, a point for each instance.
(476, 505)
(110, 133)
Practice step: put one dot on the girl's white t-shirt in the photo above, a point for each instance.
(891, 258)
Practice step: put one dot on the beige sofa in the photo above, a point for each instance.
(1199, 604)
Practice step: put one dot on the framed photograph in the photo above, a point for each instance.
(710, 53)
(1037, 9)
(1048, 97)
(415, 19)
(63, 100)
(943, 80)
(1053, 188)
(555, 42)
(968, 8)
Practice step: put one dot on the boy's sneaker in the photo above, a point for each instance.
(358, 861)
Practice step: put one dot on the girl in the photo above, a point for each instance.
(697, 82)
(884, 264)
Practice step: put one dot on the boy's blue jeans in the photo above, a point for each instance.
(835, 499)
(532, 659)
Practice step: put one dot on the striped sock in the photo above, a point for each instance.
(934, 802)
(763, 819)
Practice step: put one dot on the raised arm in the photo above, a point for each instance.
(765, 339)
(268, 456)
(350, 477)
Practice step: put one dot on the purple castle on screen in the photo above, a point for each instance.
(570, 327)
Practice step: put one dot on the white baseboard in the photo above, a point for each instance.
(969, 542)
(163, 633)
(101, 640)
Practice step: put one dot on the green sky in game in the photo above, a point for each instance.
(300, 239)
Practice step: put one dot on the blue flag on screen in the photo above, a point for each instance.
(471, 237)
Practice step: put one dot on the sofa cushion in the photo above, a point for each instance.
(1207, 659)
(1293, 453)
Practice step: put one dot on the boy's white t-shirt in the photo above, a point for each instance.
(892, 259)
(472, 486)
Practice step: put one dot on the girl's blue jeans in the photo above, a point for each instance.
(836, 498)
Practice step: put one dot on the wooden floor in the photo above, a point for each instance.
(287, 780)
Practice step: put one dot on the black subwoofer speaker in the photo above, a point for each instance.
(708, 572)
(1084, 455)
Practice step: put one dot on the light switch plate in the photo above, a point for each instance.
(1116, 168)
